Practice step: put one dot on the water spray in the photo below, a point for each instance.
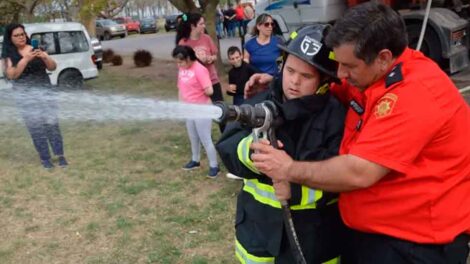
(81, 106)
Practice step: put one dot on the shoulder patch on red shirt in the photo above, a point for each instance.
(385, 105)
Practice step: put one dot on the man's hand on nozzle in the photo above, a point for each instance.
(275, 163)
(257, 83)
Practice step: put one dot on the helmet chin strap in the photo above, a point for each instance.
(323, 88)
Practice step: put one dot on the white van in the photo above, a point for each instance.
(69, 44)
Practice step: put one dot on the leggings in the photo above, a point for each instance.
(199, 131)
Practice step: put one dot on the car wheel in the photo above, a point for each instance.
(167, 29)
(107, 36)
(70, 79)
(99, 65)
(124, 35)
(431, 46)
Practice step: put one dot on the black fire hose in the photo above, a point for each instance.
(287, 216)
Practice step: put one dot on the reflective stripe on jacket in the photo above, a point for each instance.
(246, 258)
(264, 193)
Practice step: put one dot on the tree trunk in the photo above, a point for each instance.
(209, 15)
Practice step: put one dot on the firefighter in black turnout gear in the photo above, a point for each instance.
(311, 129)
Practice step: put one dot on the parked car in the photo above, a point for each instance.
(98, 50)
(171, 22)
(107, 29)
(148, 25)
(69, 44)
(131, 25)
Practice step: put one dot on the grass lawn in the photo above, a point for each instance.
(123, 199)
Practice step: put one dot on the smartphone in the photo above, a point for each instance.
(35, 44)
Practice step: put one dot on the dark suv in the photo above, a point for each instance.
(171, 22)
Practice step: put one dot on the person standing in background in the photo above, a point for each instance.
(262, 51)
(194, 86)
(239, 17)
(249, 14)
(238, 75)
(26, 67)
(230, 17)
(219, 23)
(191, 33)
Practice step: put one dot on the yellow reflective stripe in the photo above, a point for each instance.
(247, 258)
(333, 261)
(332, 201)
(309, 199)
(263, 193)
(243, 152)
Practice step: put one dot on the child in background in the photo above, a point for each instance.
(238, 75)
(195, 87)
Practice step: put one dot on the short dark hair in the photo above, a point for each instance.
(231, 50)
(371, 27)
(184, 53)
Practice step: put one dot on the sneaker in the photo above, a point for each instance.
(47, 164)
(213, 171)
(63, 162)
(192, 165)
(233, 176)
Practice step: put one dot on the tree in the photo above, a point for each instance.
(90, 9)
(13, 9)
(9, 11)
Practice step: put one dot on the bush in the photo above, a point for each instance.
(142, 58)
(116, 60)
(108, 55)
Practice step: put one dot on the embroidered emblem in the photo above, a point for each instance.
(385, 105)
(310, 46)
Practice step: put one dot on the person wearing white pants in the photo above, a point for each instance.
(199, 131)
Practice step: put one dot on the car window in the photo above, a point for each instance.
(109, 22)
(46, 42)
(69, 42)
(72, 41)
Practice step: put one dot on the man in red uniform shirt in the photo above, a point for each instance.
(404, 164)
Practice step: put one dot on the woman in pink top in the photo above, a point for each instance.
(191, 32)
(195, 87)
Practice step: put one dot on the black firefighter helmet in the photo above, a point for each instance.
(307, 43)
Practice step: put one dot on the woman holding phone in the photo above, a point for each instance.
(26, 67)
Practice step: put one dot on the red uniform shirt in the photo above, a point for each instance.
(414, 122)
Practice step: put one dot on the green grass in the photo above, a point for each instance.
(123, 199)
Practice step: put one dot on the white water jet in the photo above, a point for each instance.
(85, 106)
